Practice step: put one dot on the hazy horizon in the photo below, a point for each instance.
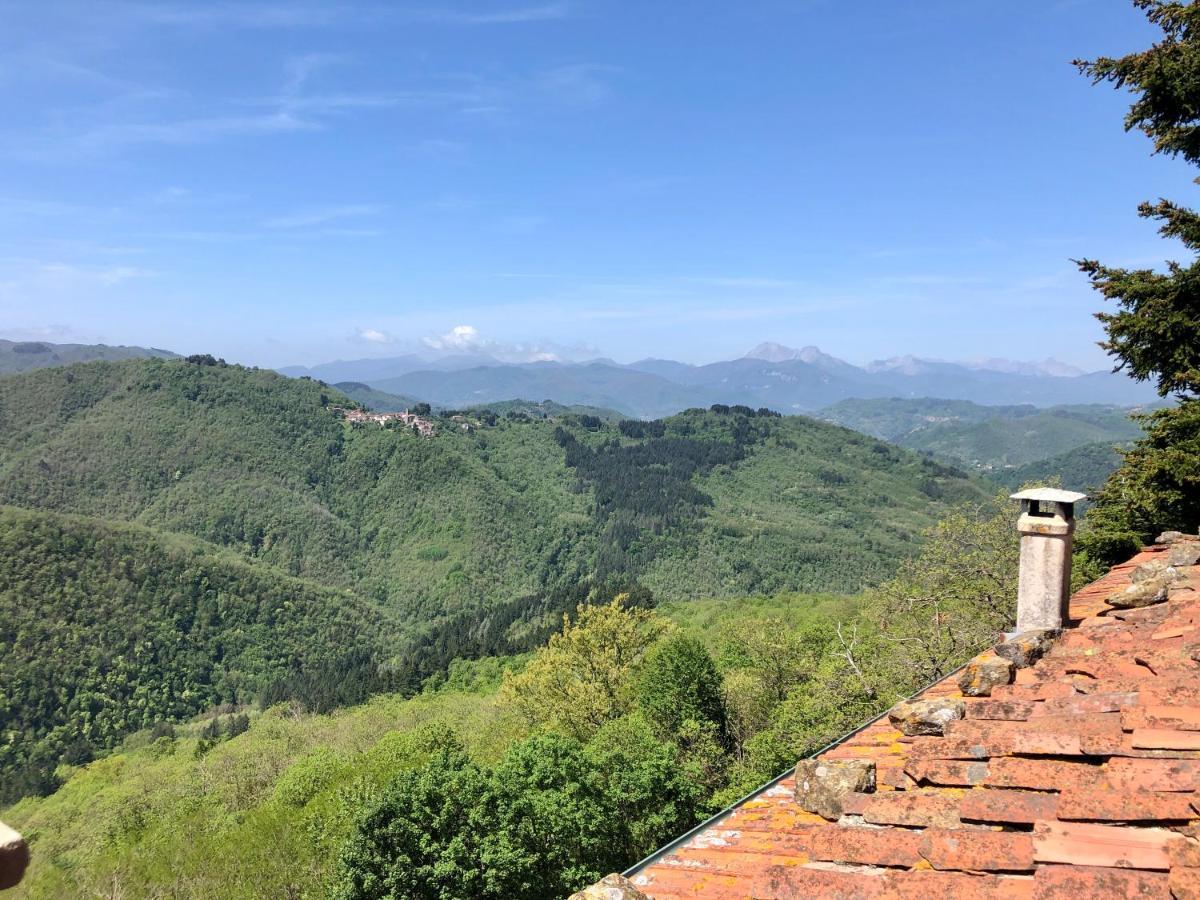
(289, 184)
(484, 350)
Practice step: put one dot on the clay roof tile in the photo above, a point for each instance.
(1074, 781)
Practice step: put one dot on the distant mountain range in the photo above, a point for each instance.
(988, 438)
(782, 378)
(772, 375)
(21, 356)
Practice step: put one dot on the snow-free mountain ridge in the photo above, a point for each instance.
(787, 379)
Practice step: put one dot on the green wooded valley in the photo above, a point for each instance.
(184, 534)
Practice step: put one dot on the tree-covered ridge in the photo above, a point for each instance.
(811, 507)
(21, 356)
(258, 463)
(985, 437)
(542, 409)
(108, 628)
(1082, 469)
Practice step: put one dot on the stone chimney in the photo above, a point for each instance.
(14, 857)
(1047, 527)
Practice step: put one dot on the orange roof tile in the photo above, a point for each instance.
(1079, 779)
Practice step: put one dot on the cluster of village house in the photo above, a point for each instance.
(423, 426)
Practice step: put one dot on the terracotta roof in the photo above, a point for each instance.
(1079, 779)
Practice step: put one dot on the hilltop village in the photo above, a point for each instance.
(420, 425)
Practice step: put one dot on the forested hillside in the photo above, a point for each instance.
(526, 776)
(998, 442)
(1012, 445)
(373, 399)
(107, 628)
(1082, 469)
(21, 356)
(202, 499)
(259, 463)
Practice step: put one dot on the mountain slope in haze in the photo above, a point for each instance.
(896, 418)
(1000, 442)
(380, 368)
(640, 394)
(379, 401)
(22, 356)
(771, 375)
(985, 437)
(914, 365)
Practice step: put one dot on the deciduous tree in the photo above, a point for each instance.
(584, 676)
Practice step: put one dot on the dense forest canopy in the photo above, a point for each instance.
(525, 776)
(189, 509)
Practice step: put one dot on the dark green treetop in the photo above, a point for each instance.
(1155, 332)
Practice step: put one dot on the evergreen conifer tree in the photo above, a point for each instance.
(1154, 334)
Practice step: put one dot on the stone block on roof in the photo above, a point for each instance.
(985, 672)
(925, 717)
(611, 887)
(1026, 648)
(1145, 593)
(823, 786)
(1184, 554)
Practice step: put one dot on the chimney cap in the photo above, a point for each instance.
(1048, 495)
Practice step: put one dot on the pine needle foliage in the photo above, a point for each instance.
(1154, 333)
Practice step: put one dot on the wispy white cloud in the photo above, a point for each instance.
(451, 203)
(197, 130)
(106, 276)
(460, 337)
(579, 85)
(273, 15)
(467, 339)
(440, 149)
(206, 15)
(312, 217)
(743, 282)
(29, 280)
(522, 224)
(372, 336)
(170, 194)
(928, 279)
(543, 13)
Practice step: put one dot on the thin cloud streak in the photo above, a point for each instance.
(282, 16)
(309, 218)
(544, 13)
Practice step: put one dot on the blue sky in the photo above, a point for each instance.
(290, 183)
